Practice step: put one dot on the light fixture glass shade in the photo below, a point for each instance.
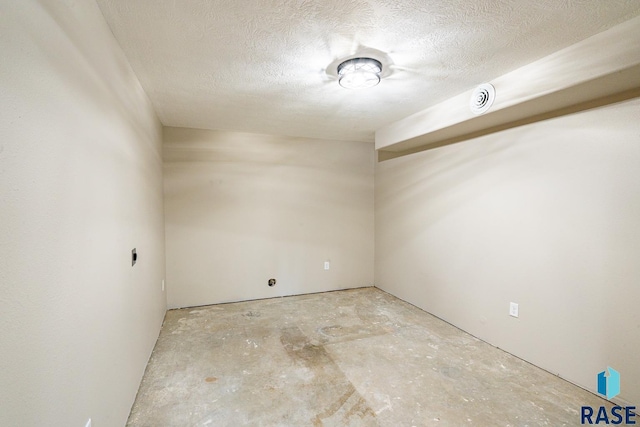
(359, 73)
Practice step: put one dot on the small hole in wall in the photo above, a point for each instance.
(134, 257)
(272, 282)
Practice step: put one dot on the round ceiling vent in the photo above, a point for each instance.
(482, 98)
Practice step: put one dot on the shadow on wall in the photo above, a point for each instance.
(250, 183)
(446, 178)
(84, 76)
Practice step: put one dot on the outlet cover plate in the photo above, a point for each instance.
(513, 309)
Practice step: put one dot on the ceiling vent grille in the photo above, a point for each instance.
(482, 98)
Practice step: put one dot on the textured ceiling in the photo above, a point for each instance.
(268, 66)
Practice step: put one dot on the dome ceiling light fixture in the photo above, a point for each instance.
(359, 73)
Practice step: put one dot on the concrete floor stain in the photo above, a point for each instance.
(348, 358)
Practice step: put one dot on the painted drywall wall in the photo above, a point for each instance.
(81, 185)
(242, 208)
(544, 215)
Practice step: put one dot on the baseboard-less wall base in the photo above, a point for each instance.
(275, 297)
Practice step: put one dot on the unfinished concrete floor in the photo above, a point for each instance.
(348, 358)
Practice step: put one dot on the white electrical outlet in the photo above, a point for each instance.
(162, 285)
(327, 265)
(513, 309)
(88, 424)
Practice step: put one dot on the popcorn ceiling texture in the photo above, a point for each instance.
(260, 66)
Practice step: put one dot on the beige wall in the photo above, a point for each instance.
(242, 208)
(545, 215)
(80, 184)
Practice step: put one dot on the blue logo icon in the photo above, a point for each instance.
(609, 385)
